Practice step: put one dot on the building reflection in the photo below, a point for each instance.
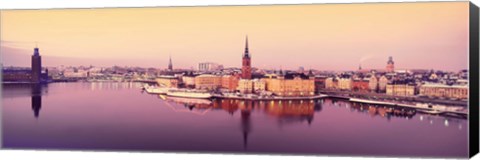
(290, 111)
(34, 91)
(294, 111)
(383, 111)
(36, 99)
(286, 111)
(246, 125)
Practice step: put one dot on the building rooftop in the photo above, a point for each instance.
(207, 75)
(438, 85)
(293, 75)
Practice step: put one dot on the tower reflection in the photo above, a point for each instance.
(246, 108)
(246, 126)
(32, 91)
(286, 111)
(36, 99)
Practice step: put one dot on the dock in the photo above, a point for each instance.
(425, 110)
(259, 98)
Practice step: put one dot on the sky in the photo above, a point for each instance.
(427, 35)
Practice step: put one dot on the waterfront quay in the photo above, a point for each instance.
(431, 109)
(403, 99)
(268, 98)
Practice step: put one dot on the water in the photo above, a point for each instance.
(119, 117)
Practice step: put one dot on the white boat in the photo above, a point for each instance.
(156, 90)
(189, 93)
(188, 100)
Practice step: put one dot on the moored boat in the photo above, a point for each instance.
(187, 93)
(190, 101)
(156, 90)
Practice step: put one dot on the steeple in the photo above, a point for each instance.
(246, 54)
(170, 66)
(390, 65)
(246, 63)
(310, 73)
(390, 60)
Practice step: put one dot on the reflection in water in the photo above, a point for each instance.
(246, 126)
(36, 99)
(35, 91)
(291, 111)
(152, 124)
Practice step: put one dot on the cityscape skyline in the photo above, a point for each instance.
(287, 79)
(427, 37)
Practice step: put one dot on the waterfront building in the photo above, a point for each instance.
(259, 85)
(230, 82)
(17, 75)
(209, 66)
(167, 81)
(382, 83)
(75, 72)
(444, 91)
(246, 63)
(25, 75)
(320, 83)
(390, 65)
(360, 85)
(208, 82)
(400, 88)
(291, 85)
(245, 86)
(345, 82)
(251, 85)
(373, 83)
(189, 80)
(331, 83)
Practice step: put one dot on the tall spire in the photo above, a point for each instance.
(170, 66)
(390, 60)
(246, 54)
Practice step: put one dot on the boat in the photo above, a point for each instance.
(156, 90)
(190, 101)
(189, 93)
(434, 112)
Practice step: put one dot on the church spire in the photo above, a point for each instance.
(390, 60)
(170, 66)
(246, 54)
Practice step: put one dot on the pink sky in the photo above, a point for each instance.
(432, 35)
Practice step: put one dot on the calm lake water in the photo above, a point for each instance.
(120, 117)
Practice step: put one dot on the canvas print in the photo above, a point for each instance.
(371, 79)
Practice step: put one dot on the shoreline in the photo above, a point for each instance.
(427, 110)
(270, 98)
